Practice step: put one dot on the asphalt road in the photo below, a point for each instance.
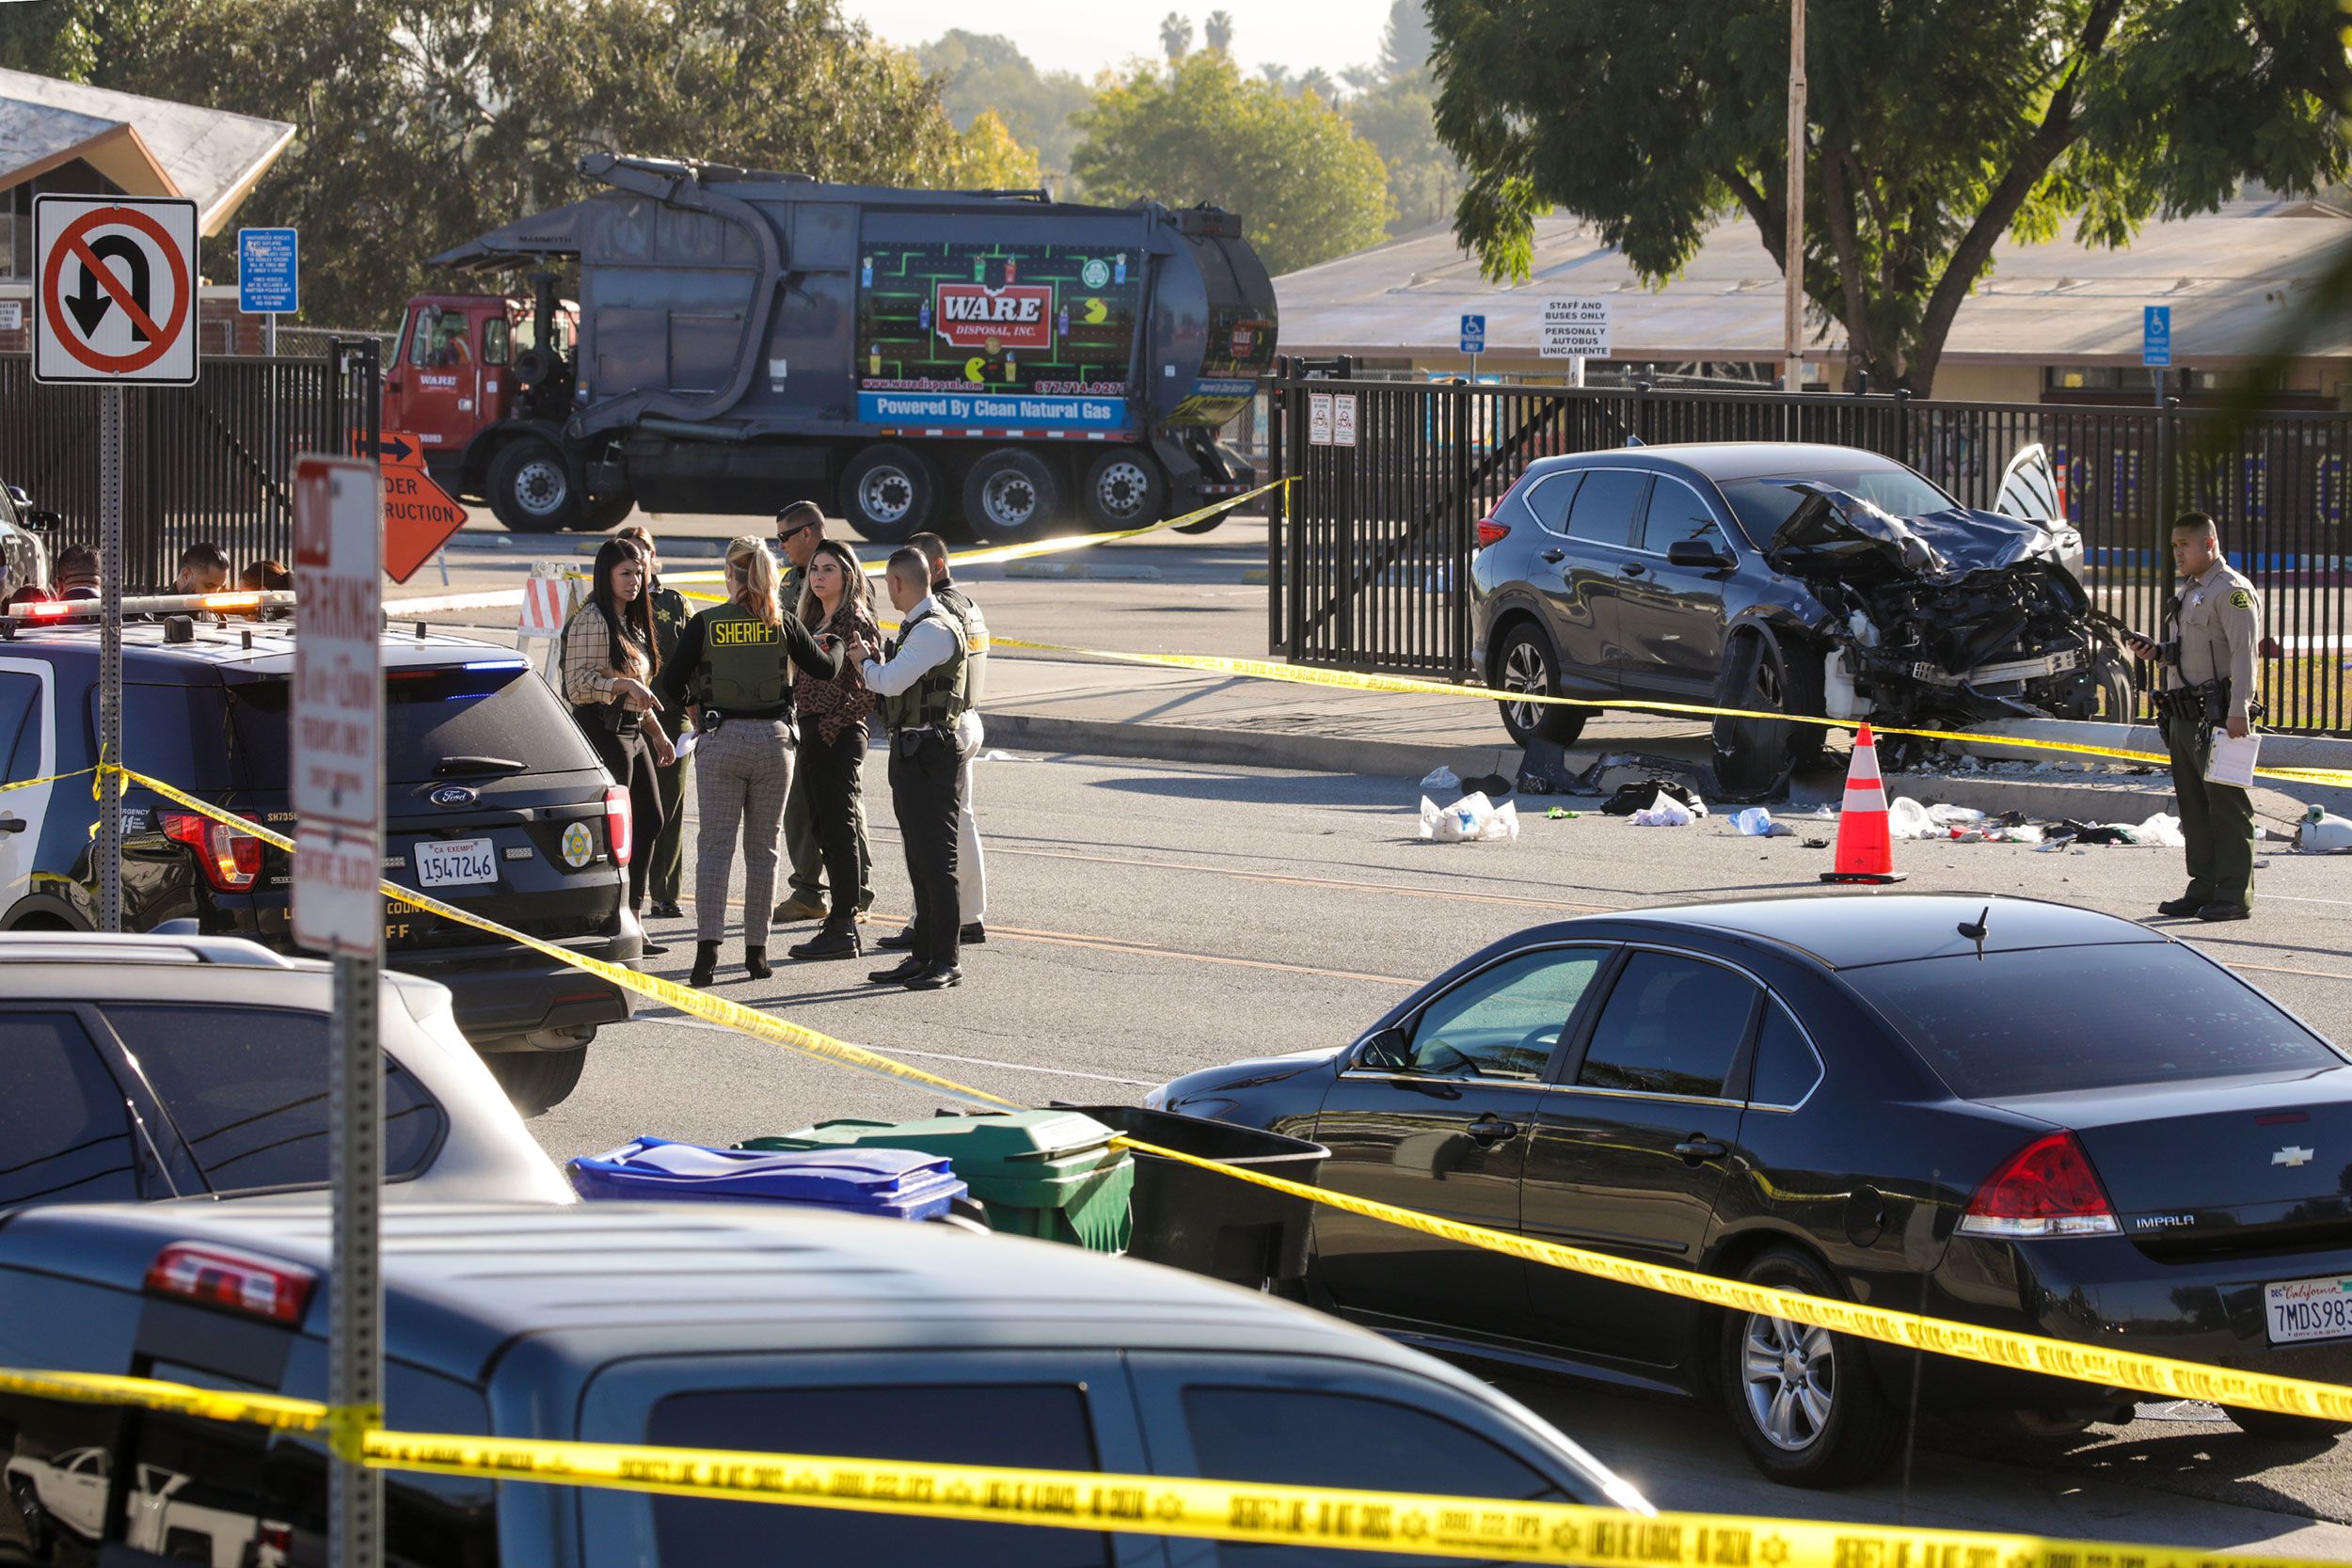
(1147, 919)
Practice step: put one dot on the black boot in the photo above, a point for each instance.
(830, 943)
(705, 964)
(756, 962)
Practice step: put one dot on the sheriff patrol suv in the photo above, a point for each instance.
(492, 803)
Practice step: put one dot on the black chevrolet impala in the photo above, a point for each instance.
(1994, 1110)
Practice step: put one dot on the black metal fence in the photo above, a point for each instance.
(1369, 548)
(212, 461)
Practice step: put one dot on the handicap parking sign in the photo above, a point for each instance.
(2156, 337)
(1473, 334)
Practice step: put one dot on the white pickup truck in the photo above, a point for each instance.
(68, 1492)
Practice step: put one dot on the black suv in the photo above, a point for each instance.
(493, 802)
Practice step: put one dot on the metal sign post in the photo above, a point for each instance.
(338, 728)
(114, 300)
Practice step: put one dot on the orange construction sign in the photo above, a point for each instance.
(418, 515)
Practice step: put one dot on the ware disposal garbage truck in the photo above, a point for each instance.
(911, 359)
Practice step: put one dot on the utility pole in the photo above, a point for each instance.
(1792, 249)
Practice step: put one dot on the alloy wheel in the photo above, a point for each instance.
(1523, 671)
(1789, 1373)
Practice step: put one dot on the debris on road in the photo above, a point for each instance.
(1664, 811)
(2319, 833)
(1472, 819)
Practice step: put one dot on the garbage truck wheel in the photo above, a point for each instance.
(890, 493)
(532, 489)
(1123, 489)
(1012, 495)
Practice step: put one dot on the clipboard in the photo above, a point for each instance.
(2232, 761)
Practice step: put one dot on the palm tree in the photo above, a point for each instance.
(1218, 31)
(1318, 81)
(1175, 37)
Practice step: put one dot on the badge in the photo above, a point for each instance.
(2241, 601)
(578, 846)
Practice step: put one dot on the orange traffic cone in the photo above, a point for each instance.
(1864, 851)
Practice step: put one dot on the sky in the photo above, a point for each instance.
(1084, 36)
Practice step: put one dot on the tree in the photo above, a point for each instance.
(1393, 108)
(1935, 127)
(1218, 31)
(1406, 41)
(985, 72)
(1307, 188)
(990, 158)
(1318, 81)
(420, 123)
(1175, 37)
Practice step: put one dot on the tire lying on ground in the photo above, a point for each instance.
(1764, 671)
(1525, 661)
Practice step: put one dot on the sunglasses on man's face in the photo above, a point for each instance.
(782, 534)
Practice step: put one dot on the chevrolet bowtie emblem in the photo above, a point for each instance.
(2292, 1156)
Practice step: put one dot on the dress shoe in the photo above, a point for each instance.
(898, 972)
(829, 943)
(756, 962)
(796, 908)
(2180, 909)
(974, 935)
(934, 978)
(651, 950)
(902, 943)
(667, 909)
(2225, 911)
(705, 965)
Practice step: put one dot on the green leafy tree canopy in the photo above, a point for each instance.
(987, 73)
(1307, 188)
(1935, 127)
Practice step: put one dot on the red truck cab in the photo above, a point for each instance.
(453, 374)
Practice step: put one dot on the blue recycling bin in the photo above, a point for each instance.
(891, 1184)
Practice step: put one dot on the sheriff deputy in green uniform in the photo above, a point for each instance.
(731, 670)
(665, 876)
(2208, 684)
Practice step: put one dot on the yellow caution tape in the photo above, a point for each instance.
(1997, 1347)
(717, 1009)
(1269, 669)
(52, 778)
(1412, 1524)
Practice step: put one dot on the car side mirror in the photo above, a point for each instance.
(1700, 553)
(1390, 1051)
(40, 519)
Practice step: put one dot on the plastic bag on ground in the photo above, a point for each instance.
(1954, 816)
(1442, 781)
(1755, 822)
(1907, 818)
(2160, 829)
(1470, 819)
(1663, 812)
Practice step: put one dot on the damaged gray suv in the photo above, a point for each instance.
(1780, 578)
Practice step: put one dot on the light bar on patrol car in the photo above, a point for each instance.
(42, 612)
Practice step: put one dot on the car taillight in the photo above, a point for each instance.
(1491, 533)
(2046, 1188)
(239, 1281)
(231, 857)
(620, 823)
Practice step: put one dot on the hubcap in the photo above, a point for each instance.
(1008, 499)
(886, 495)
(1523, 671)
(1122, 489)
(542, 488)
(1790, 1373)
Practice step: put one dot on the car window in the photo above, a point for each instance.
(65, 1131)
(2135, 1013)
(1033, 1426)
(246, 1088)
(1786, 1065)
(1606, 505)
(1677, 513)
(1298, 1438)
(1548, 499)
(1504, 1022)
(496, 334)
(20, 708)
(1763, 505)
(430, 713)
(1672, 1025)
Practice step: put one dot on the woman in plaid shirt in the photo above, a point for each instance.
(609, 658)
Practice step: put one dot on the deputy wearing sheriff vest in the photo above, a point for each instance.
(731, 671)
(2208, 686)
(923, 683)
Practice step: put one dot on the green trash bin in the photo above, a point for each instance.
(1050, 1174)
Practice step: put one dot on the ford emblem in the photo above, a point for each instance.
(455, 796)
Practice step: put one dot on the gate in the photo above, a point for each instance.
(212, 462)
(1369, 550)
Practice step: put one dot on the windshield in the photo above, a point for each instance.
(1763, 505)
(492, 708)
(2059, 1019)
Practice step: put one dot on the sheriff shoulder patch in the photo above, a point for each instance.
(2241, 600)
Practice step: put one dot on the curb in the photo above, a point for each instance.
(1082, 570)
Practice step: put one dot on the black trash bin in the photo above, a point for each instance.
(1207, 1223)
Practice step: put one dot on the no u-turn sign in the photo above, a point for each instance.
(115, 295)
